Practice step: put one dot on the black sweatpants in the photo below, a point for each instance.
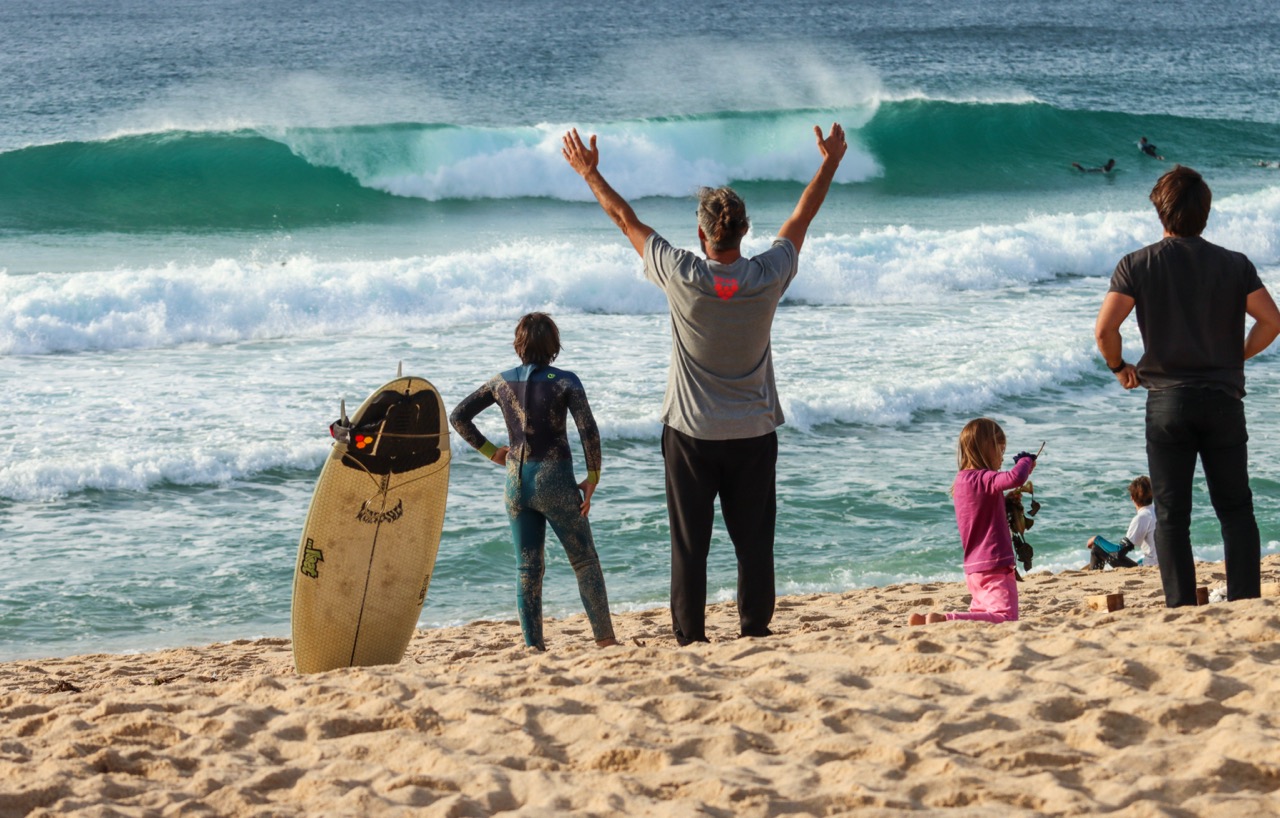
(742, 473)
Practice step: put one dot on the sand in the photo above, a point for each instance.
(1071, 711)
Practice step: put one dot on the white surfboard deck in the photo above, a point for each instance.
(369, 543)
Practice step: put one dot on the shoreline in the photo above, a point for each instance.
(1142, 711)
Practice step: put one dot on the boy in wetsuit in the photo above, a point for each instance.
(535, 399)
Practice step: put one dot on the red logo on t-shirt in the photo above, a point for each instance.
(725, 287)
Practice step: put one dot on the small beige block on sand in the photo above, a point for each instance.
(1106, 602)
(1271, 589)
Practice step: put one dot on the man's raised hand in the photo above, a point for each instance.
(581, 158)
(832, 146)
(585, 160)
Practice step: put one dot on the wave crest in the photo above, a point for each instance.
(289, 177)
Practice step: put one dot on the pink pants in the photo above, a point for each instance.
(995, 596)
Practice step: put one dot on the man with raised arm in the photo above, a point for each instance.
(721, 409)
(1192, 298)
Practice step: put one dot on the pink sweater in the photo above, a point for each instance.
(980, 516)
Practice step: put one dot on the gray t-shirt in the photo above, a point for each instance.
(720, 385)
(1190, 298)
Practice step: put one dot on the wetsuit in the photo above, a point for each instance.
(535, 400)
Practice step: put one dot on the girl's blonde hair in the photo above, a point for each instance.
(979, 445)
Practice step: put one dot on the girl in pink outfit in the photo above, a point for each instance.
(978, 491)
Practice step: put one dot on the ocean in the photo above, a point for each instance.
(219, 219)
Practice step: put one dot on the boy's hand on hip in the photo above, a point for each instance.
(588, 489)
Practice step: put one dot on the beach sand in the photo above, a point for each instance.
(1071, 711)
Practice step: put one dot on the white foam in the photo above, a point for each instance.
(139, 468)
(911, 264)
(912, 321)
(234, 300)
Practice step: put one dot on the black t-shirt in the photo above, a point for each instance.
(1190, 298)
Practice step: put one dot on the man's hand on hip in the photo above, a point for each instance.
(1128, 376)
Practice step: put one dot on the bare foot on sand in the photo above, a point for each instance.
(926, 619)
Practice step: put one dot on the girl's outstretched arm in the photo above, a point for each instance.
(994, 482)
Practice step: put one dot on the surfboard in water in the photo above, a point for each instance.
(369, 543)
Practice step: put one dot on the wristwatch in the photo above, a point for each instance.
(1116, 369)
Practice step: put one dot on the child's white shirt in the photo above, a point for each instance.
(1142, 533)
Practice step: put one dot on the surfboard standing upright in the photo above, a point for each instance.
(372, 532)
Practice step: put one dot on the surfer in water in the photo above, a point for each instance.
(1149, 149)
(1111, 163)
(721, 409)
(535, 398)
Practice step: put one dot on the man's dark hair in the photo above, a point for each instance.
(1182, 200)
(722, 215)
(537, 339)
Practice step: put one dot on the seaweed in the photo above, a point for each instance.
(1020, 521)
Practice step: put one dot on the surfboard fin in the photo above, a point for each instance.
(400, 369)
(340, 429)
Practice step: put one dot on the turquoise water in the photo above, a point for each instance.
(402, 174)
(218, 219)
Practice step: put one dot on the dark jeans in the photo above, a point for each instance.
(743, 473)
(1181, 424)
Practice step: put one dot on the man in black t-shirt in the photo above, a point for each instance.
(1191, 298)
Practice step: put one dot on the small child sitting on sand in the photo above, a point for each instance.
(978, 491)
(1141, 535)
(535, 397)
